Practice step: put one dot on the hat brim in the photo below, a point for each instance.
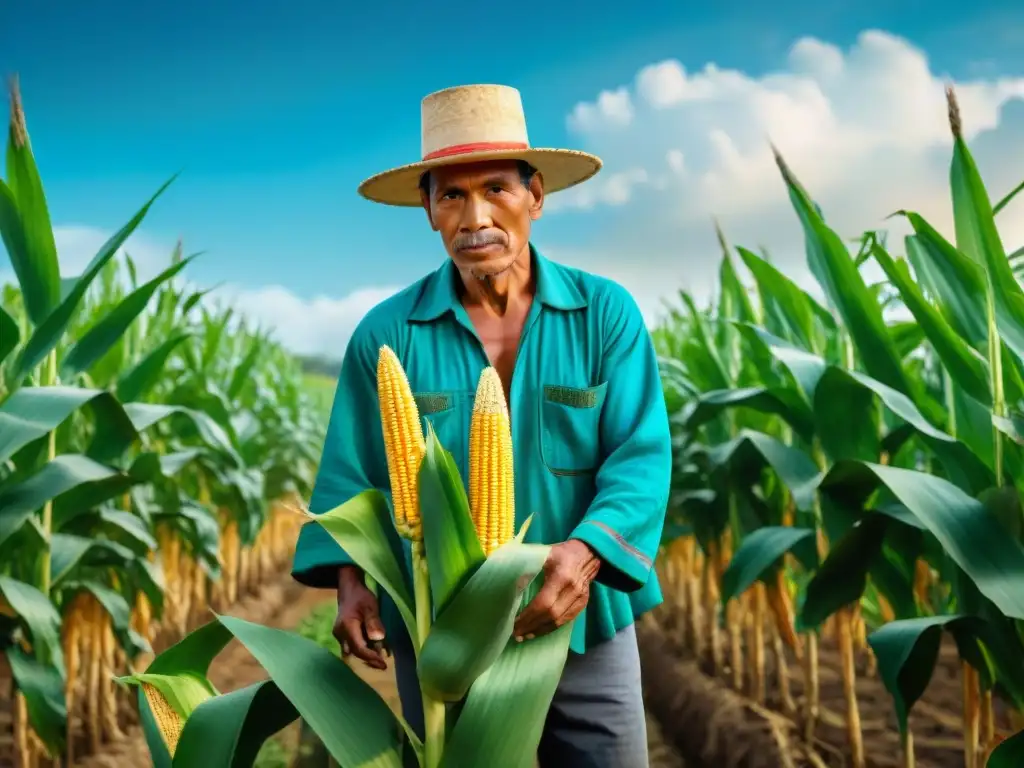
(560, 168)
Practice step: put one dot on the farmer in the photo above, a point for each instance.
(589, 426)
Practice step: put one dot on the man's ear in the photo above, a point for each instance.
(425, 201)
(537, 190)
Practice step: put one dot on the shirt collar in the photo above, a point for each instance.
(554, 289)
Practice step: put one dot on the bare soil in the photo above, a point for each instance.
(935, 721)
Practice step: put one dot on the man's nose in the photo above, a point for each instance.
(476, 215)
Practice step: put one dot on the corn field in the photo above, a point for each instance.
(847, 482)
(148, 441)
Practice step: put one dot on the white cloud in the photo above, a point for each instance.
(865, 130)
(78, 244)
(321, 325)
(612, 109)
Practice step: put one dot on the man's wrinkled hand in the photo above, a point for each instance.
(358, 628)
(568, 572)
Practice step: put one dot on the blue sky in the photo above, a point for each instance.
(275, 111)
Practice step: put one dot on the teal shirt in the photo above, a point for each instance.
(590, 432)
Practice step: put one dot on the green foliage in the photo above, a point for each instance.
(128, 413)
(894, 440)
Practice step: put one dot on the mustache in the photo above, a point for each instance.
(479, 239)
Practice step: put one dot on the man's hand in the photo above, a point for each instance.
(569, 569)
(358, 627)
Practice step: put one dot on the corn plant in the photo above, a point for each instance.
(128, 417)
(839, 473)
(485, 697)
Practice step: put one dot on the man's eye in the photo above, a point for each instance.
(496, 189)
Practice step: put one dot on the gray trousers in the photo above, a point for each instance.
(596, 719)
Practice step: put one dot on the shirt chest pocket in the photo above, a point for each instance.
(447, 414)
(570, 419)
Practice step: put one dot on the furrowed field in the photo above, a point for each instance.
(842, 564)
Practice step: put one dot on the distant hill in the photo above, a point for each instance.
(324, 366)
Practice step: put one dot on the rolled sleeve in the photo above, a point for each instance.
(623, 524)
(350, 464)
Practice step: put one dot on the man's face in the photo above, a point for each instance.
(483, 213)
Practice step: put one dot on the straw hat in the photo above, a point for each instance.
(472, 123)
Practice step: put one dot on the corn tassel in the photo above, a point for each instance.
(491, 480)
(403, 441)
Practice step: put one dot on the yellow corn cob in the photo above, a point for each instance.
(403, 441)
(491, 480)
(169, 722)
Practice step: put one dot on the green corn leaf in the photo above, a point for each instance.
(35, 247)
(907, 336)
(805, 368)
(972, 537)
(449, 538)
(195, 298)
(716, 370)
(241, 374)
(967, 367)
(19, 501)
(960, 287)
(503, 718)
(907, 651)
(470, 633)
(32, 412)
(363, 527)
(790, 312)
(230, 729)
(741, 308)
(841, 579)
(733, 304)
(977, 236)
(123, 526)
(49, 333)
(1009, 754)
(842, 438)
(43, 688)
(1007, 199)
(955, 282)
(760, 553)
(354, 723)
(834, 268)
(148, 467)
(37, 285)
(784, 403)
(66, 552)
(35, 611)
(9, 334)
(109, 330)
(140, 379)
(757, 450)
(118, 429)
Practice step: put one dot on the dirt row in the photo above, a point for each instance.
(936, 719)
